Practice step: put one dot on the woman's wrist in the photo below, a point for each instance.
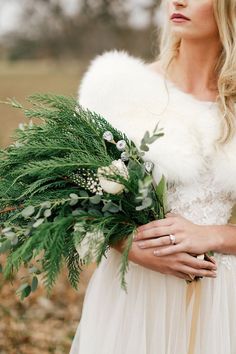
(218, 237)
(214, 235)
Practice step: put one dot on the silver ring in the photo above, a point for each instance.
(172, 239)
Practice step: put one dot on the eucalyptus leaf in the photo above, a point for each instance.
(34, 283)
(74, 196)
(5, 246)
(144, 147)
(147, 202)
(113, 208)
(96, 199)
(161, 191)
(73, 202)
(26, 292)
(22, 287)
(79, 212)
(107, 213)
(83, 194)
(106, 206)
(95, 212)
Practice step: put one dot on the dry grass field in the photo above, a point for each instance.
(39, 325)
(19, 80)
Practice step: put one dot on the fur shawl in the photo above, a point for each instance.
(133, 98)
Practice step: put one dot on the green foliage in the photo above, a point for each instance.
(51, 197)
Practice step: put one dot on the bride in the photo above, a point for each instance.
(191, 90)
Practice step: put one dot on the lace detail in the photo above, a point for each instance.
(203, 203)
(227, 260)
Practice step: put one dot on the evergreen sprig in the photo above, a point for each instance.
(53, 205)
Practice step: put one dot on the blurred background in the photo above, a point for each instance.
(46, 46)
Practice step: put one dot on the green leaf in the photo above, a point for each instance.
(26, 292)
(96, 199)
(34, 283)
(144, 147)
(28, 211)
(74, 196)
(5, 246)
(73, 202)
(161, 191)
(22, 287)
(79, 212)
(95, 212)
(110, 207)
(146, 136)
(83, 194)
(113, 208)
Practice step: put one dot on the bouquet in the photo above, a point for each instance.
(70, 188)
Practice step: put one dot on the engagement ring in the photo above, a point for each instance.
(172, 239)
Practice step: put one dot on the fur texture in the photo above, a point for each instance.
(128, 93)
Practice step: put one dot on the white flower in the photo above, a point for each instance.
(87, 248)
(107, 135)
(117, 167)
(121, 145)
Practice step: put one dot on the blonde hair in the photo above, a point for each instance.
(225, 68)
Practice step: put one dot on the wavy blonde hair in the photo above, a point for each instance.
(225, 68)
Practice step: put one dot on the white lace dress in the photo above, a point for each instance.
(152, 318)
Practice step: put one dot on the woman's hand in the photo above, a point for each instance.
(189, 237)
(179, 264)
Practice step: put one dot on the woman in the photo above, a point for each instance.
(191, 90)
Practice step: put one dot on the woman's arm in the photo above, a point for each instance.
(225, 238)
(180, 265)
(190, 237)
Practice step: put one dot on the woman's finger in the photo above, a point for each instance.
(154, 232)
(198, 263)
(166, 251)
(197, 272)
(155, 242)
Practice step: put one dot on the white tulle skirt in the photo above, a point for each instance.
(152, 318)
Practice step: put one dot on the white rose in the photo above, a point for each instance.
(117, 167)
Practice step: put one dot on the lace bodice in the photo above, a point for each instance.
(201, 202)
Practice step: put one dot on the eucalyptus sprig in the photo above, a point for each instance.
(70, 188)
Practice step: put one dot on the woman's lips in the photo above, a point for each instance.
(179, 18)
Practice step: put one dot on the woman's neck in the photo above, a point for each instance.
(193, 69)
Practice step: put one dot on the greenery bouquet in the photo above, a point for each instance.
(70, 188)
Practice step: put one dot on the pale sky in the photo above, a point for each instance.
(9, 12)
